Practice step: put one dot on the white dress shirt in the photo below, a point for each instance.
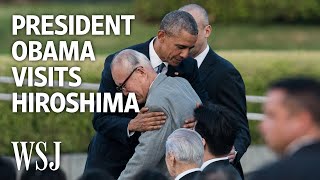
(187, 172)
(205, 164)
(155, 59)
(201, 56)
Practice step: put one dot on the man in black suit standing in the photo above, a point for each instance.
(291, 128)
(216, 125)
(117, 133)
(222, 81)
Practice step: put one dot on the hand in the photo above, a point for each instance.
(232, 154)
(190, 123)
(147, 121)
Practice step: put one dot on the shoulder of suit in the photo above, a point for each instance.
(142, 47)
(221, 65)
(136, 47)
(170, 87)
(139, 47)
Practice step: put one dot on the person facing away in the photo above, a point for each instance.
(148, 174)
(184, 154)
(291, 128)
(222, 172)
(215, 124)
(7, 169)
(222, 81)
(117, 133)
(174, 96)
(46, 174)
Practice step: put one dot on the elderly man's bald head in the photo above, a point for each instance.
(132, 72)
(128, 59)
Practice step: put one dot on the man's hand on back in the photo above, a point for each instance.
(147, 121)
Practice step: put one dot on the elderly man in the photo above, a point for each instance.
(222, 81)
(117, 133)
(291, 128)
(184, 154)
(215, 124)
(133, 72)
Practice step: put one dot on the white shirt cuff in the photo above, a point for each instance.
(129, 133)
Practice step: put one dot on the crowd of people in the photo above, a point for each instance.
(170, 74)
(192, 124)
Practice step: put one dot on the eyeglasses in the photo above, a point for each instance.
(122, 86)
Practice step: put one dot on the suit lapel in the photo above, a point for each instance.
(207, 65)
(174, 71)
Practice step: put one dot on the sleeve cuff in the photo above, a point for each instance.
(129, 133)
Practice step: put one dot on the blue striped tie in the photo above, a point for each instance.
(160, 68)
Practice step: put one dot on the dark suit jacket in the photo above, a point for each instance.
(302, 165)
(191, 176)
(225, 86)
(110, 149)
(212, 168)
(215, 164)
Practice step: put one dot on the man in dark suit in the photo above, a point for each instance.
(117, 133)
(216, 125)
(184, 154)
(291, 128)
(222, 81)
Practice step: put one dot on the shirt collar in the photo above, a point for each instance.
(299, 143)
(201, 56)
(154, 58)
(205, 164)
(187, 172)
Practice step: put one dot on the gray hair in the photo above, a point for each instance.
(129, 59)
(176, 21)
(186, 146)
(202, 12)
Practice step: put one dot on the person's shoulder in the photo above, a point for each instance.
(168, 86)
(293, 166)
(138, 47)
(171, 88)
(142, 47)
(222, 63)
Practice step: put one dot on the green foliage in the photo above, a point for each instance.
(258, 69)
(224, 36)
(238, 10)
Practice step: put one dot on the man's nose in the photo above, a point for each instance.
(185, 53)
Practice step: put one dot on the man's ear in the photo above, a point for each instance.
(161, 35)
(172, 160)
(204, 142)
(302, 122)
(141, 71)
(208, 30)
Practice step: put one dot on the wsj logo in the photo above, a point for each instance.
(26, 156)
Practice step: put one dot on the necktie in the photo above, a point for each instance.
(160, 68)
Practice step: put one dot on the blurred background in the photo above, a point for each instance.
(264, 39)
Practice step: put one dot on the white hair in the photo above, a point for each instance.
(129, 59)
(186, 146)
